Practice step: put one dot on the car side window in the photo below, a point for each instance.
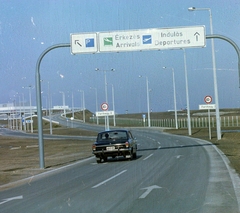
(130, 134)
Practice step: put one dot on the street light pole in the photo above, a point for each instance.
(24, 122)
(187, 96)
(214, 71)
(20, 105)
(174, 96)
(30, 97)
(30, 103)
(96, 101)
(64, 108)
(83, 103)
(114, 118)
(49, 106)
(148, 105)
(72, 107)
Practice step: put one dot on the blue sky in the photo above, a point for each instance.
(28, 27)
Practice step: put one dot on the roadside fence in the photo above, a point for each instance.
(200, 122)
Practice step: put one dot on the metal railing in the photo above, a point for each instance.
(202, 122)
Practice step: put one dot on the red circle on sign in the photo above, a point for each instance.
(208, 99)
(104, 106)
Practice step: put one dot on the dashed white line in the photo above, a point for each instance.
(17, 147)
(109, 179)
(148, 157)
(32, 146)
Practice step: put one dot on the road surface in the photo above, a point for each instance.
(171, 174)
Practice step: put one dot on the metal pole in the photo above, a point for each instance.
(218, 124)
(83, 103)
(114, 119)
(49, 106)
(30, 98)
(209, 125)
(97, 104)
(72, 107)
(105, 80)
(233, 44)
(148, 104)
(63, 99)
(174, 97)
(39, 102)
(106, 117)
(215, 82)
(187, 96)
(20, 105)
(175, 101)
(96, 101)
(24, 122)
(148, 107)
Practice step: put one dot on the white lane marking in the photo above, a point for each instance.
(148, 190)
(109, 179)
(32, 146)
(10, 199)
(148, 157)
(17, 147)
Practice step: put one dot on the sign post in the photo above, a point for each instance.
(144, 119)
(208, 101)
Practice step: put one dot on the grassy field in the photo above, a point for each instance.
(19, 157)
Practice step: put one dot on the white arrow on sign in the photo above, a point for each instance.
(10, 199)
(148, 190)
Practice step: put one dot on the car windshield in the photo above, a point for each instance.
(113, 136)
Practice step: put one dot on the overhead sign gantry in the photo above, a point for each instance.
(81, 46)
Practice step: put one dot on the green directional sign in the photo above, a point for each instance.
(108, 41)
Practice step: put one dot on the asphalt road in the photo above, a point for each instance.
(171, 174)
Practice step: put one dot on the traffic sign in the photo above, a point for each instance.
(84, 43)
(137, 40)
(208, 99)
(105, 113)
(104, 106)
(150, 39)
(207, 106)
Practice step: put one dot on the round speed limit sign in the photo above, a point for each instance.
(104, 106)
(208, 99)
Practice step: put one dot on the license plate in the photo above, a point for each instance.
(110, 148)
